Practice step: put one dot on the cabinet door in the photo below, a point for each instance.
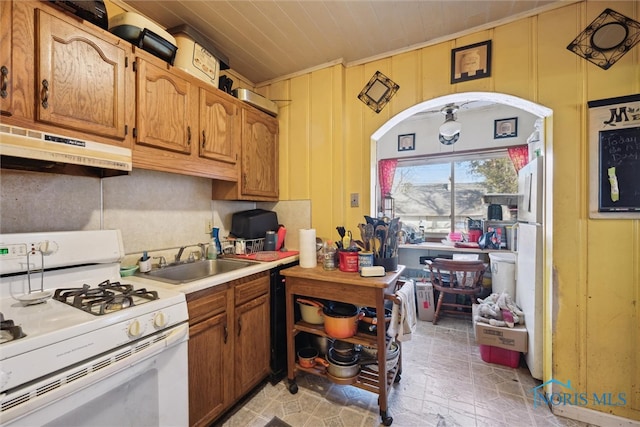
(219, 127)
(80, 79)
(208, 346)
(6, 41)
(259, 155)
(252, 348)
(163, 116)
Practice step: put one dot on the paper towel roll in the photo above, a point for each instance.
(308, 258)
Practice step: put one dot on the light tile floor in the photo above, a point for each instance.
(444, 383)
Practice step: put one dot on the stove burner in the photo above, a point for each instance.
(106, 298)
(9, 331)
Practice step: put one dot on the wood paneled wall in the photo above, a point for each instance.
(592, 286)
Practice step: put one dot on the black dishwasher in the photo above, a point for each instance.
(278, 324)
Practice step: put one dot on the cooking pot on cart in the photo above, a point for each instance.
(341, 319)
(369, 322)
(311, 310)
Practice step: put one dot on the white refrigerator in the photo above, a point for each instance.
(529, 258)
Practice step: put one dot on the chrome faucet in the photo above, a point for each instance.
(191, 257)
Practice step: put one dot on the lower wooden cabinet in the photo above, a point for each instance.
(229, 345)
(252, 345)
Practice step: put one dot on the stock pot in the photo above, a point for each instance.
(341, 319)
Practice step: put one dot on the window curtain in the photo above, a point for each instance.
(519, 156)
(386, 171)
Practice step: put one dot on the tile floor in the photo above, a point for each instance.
(444, 383)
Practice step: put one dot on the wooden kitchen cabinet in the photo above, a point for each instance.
(6, 70)
(229, 345)
(259, 160)
(80, 78)
(219, 131)
(209, 350)
(182, 126)
(252, 351)
(63, 75)
(164, 118)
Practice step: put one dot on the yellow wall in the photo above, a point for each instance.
(325, 156)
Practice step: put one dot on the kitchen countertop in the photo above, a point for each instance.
(218, 279)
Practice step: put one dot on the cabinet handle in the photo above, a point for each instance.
(5, 81)
(188, 135)
(226, 333)
(239, 326)
(44, 95)
(204, 139)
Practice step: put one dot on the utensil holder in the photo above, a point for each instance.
(389, 264)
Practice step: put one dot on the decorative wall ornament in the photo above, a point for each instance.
(606, 39)
(377, 93)
(471, 62)
(407, 142)
(505, 128)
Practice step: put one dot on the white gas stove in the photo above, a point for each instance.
(70, 322)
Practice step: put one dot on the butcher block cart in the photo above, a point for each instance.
(353, 289)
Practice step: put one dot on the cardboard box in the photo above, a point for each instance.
(514, 339)
(424, 298)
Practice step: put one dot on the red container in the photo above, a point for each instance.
(501, 356)
(348, 261)
(474, 235)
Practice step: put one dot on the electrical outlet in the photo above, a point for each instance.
(355, 200)
(208, 225)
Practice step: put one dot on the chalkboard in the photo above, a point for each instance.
(619, 149)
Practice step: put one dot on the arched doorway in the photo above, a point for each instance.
(539, 111)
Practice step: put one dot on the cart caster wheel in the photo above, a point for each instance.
(386, 420)
(293, 387)
(397, 379)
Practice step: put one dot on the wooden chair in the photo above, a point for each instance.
(456, 278)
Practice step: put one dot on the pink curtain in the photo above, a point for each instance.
(386, 170)
(519, 156)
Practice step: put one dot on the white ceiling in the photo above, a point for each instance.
(265, 40)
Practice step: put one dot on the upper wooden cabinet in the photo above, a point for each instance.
(6, 69)
(219, 131)
(259, 154)
(80, 79)
(181, 126)
(163, 112)
(61, 74)
(259, 160)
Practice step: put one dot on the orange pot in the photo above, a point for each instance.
(338, 325)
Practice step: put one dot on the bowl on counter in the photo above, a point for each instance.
(128, 271)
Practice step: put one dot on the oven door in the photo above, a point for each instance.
(143, 384)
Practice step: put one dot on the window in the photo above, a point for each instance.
(438, 194)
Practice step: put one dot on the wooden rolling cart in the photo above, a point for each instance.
(353, 289)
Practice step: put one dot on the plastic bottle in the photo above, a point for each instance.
(214, 246)
(216, 238)
(329, 256)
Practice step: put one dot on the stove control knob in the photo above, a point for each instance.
(159, 320)
(134, 329)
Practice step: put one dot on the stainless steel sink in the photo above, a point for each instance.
(188, 272)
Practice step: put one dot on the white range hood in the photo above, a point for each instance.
(19, 145)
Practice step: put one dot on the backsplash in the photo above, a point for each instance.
(153, 210)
